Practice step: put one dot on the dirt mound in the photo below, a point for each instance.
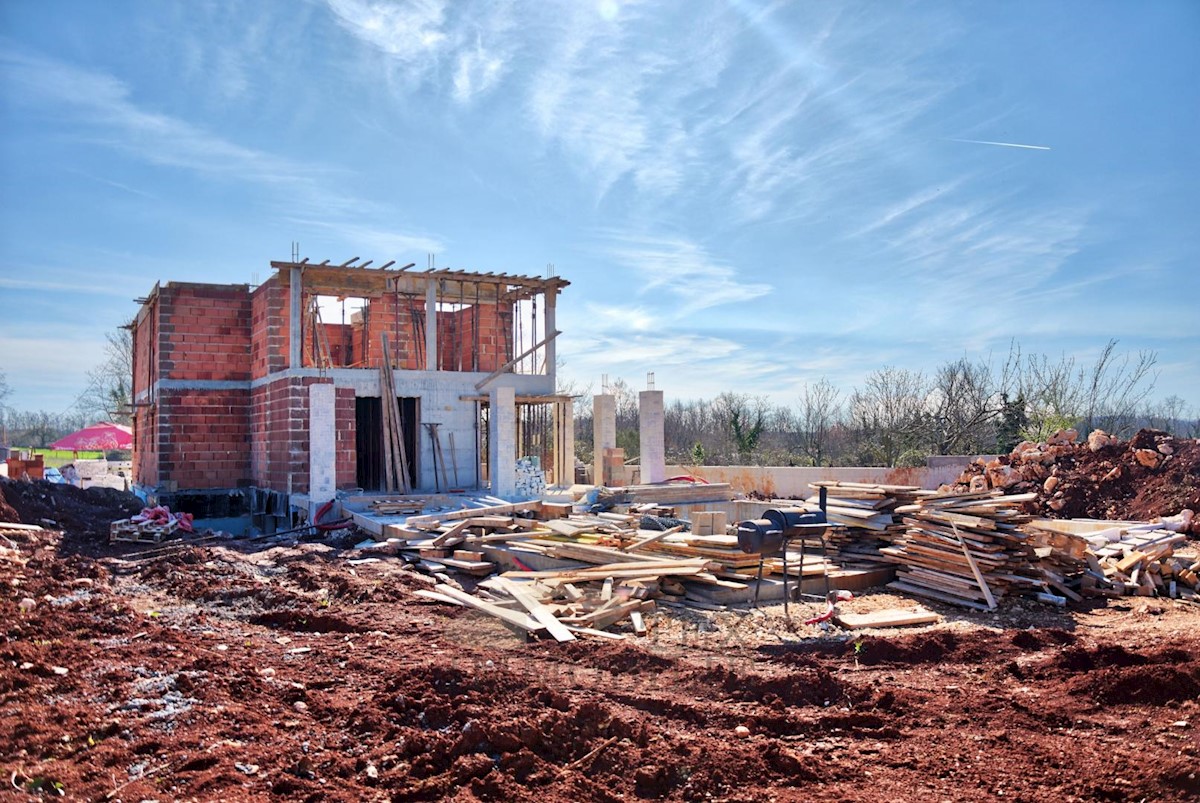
(83, 513)
(1151, 475)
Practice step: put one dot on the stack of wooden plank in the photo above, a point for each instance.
(678, 493)
(863, 518)
(967, 549)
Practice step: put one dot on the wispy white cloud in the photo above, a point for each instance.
(372, 239)
(684, 269)
(83, 288)
(108, 115)
(434, 40)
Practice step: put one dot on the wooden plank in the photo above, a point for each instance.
(983, 586)
(900, 585)
(651, 539)
(435, 519)
(519, 620)
(537, 610)
(889, 617)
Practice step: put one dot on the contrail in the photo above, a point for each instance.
(1003, 144)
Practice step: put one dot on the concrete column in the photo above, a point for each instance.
(295, 319)
(564, 457)
(604, 431)
(651, 422)
(502, 454)
(551, 351)
(322, 443)
(431, 355)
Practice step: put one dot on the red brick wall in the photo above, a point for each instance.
(203, 438)
(269, 328)
(145, 373)
(279, 434)
(392, 314)
(347, 453)
(145, 446)
(495, 348)
(205, 332)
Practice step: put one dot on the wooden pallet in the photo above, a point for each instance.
(141, 532)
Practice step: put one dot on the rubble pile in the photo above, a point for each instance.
(1152, 475)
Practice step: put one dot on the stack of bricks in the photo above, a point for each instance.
(615, 473)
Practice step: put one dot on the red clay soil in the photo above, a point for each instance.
(292, 674)
(1108, 483)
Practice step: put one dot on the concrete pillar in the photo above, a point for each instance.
(651, 423)
(322, 443)
(564, 455)
(502, 454)
(431, 355)
(604, 431)
(295, 319)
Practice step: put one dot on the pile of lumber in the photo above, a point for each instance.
(1113, 559)
(863, 518)
(967, 549)
(565, 603)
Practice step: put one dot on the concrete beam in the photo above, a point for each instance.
(295, 321)
(431, 345)
(652, 438)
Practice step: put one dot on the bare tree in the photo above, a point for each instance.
(962, 408)
(887, 412)
(1107, 394)
(1116, 388)
(820, 410)
(109, 392)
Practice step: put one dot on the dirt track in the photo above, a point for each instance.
(288, 673)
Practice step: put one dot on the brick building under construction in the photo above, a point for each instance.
(279, 387)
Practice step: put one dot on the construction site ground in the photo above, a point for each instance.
(252, 672)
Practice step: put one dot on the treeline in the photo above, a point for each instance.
(899, 417)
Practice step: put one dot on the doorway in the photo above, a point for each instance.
(368, 439)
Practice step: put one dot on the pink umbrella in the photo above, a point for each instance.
(97, 437)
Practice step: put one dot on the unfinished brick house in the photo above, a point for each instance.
(278, 387)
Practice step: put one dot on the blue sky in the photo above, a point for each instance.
(745, 196)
